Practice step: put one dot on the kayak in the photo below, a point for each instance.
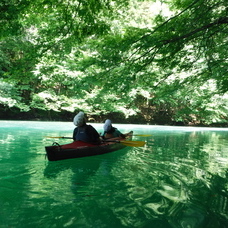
(79, 149)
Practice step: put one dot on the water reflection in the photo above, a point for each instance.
(179, 179)
(174, 180)
(84, 169)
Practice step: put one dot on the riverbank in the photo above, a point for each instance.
(155, 118)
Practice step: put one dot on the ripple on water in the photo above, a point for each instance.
(164, 188)
(176, 180)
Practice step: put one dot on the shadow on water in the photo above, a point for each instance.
(83, 169)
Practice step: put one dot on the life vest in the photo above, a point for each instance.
(82, 134)
(113, 133)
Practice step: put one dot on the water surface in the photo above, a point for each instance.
(179, 179)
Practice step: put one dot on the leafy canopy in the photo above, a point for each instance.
(151, 58)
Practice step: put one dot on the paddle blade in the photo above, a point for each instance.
(133, 143)
(143, 135)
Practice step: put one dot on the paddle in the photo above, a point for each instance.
(143, 135)
(129, 143)
(60, 137)
(126, 143)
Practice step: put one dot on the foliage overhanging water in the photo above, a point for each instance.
(179, 179)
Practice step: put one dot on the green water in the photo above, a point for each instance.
(179, 179)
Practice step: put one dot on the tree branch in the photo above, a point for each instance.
(222, 20)
(171, 18)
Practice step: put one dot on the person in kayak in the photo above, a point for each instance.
(84, 132)
(112, 132)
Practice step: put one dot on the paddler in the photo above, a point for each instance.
(84, 132)
(112, 132)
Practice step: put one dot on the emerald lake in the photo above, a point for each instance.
(178, 179)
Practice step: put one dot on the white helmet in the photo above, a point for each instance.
(107, 125)
(79, 119)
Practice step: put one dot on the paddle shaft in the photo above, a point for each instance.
(129, 143)
(58, 137)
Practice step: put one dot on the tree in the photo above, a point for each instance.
(134, 57)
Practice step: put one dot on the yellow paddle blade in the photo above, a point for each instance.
(133, 143)
(143, 135)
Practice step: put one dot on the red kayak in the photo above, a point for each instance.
(78, 149)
